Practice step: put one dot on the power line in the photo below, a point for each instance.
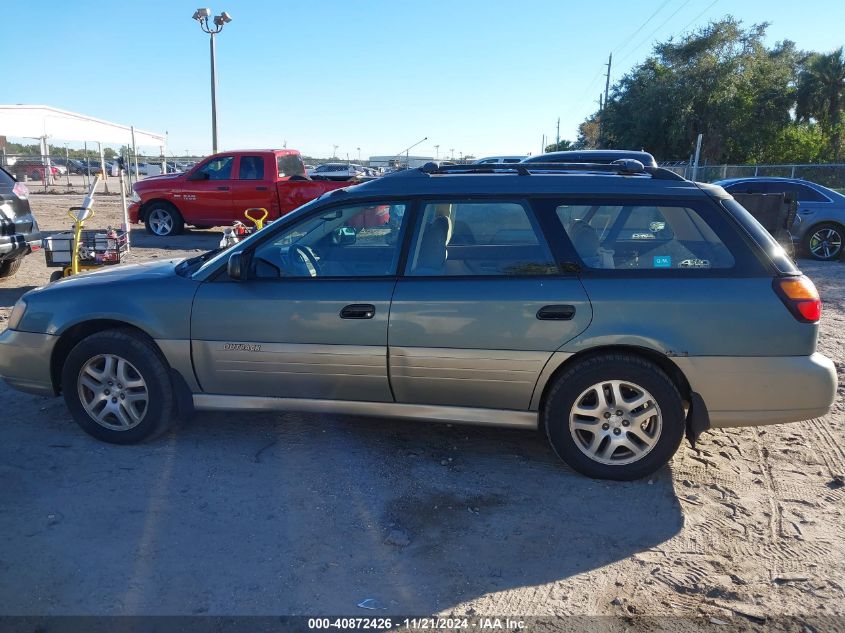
(710, 6)
(651, 35)
(641, 27)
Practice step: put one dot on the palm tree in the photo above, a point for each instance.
(821, 95)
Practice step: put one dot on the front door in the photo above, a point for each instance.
(481, 308)
(207, 193)
(311, 320)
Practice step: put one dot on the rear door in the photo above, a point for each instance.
(206, 196)
(481, 308)
(253, 185)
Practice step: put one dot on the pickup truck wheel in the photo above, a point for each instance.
(163, 219)
(614, 416)
(118, 388)
(10, 267)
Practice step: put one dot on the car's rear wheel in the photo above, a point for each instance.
(10, 267)
(117, 387)
(614, 416)
(824, 242)
(163, 219)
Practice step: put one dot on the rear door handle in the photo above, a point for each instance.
(222, 188)
(358, 311)
(556, 313)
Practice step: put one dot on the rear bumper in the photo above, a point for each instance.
(18, 245)
(25, 361)
(752, 391)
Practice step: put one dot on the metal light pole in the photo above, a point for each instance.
(201, 16)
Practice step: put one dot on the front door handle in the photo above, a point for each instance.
(556, 313)
(261, 188)
(358, 311)
(222, 188)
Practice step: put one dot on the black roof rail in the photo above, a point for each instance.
(623, 167)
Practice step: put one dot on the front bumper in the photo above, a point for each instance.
(25, 361)
(134, 211)
(751, 391)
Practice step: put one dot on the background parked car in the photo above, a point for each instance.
(338, 171)
(601, 156)
(819, 227)
(19, 234)
(33, 169)
(498, 159)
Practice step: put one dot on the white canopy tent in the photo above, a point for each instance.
(44, 122)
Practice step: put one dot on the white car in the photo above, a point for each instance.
(498, 160)
(337, 171)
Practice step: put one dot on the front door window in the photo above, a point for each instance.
(363, 240)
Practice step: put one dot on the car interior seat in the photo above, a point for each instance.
(432, 252)
(585, 239)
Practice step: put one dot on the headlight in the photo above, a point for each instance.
(134, 197)
(17, 314)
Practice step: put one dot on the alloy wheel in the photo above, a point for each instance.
(615, 422)
(160, 221)
(826, 243)
(113, 392)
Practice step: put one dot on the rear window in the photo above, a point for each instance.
(761, 236)
(290, 165)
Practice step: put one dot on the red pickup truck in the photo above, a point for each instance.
(217, 191)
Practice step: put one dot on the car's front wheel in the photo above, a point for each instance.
(163, 219)
(824, 242)
(117, 387)
(614, 416)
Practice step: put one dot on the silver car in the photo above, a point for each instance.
(819, 229)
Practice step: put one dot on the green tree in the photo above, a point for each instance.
(821, 95)
(560, 146)
(721, 81)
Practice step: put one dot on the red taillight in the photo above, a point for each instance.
(21, 190)
(799, 294)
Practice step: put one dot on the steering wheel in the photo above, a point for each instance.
(306, 257)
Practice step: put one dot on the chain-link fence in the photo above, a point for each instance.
(57, 173)
(829, 175)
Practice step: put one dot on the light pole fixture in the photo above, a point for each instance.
(201, 16)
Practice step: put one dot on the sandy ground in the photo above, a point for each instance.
(309, 514)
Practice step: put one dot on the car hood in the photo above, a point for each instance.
(151, 182)
(123, 273)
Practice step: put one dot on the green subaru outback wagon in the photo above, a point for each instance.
(614, 307)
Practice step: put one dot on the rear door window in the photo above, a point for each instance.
(251, 168)
(290, 165)
(643, 236)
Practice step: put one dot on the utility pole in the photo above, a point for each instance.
(557, 142)
(603, 104)
(452, 151)
(543, 144)
(607, 78)
(436, 152)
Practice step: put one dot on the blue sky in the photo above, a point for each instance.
(478, 76)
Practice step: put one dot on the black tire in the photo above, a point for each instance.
(834, 250)
(138, 350)
(10, 267)
(56, 275)
(579, 378)
(157, 210)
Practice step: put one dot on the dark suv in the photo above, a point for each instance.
(19, 234)
(615, 307)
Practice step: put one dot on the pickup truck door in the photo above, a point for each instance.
(206, 197)
(311, 320)
(254, 186)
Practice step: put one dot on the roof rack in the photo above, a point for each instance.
(622, 167)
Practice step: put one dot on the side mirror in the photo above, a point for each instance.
(199, 175)
(235, 267)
